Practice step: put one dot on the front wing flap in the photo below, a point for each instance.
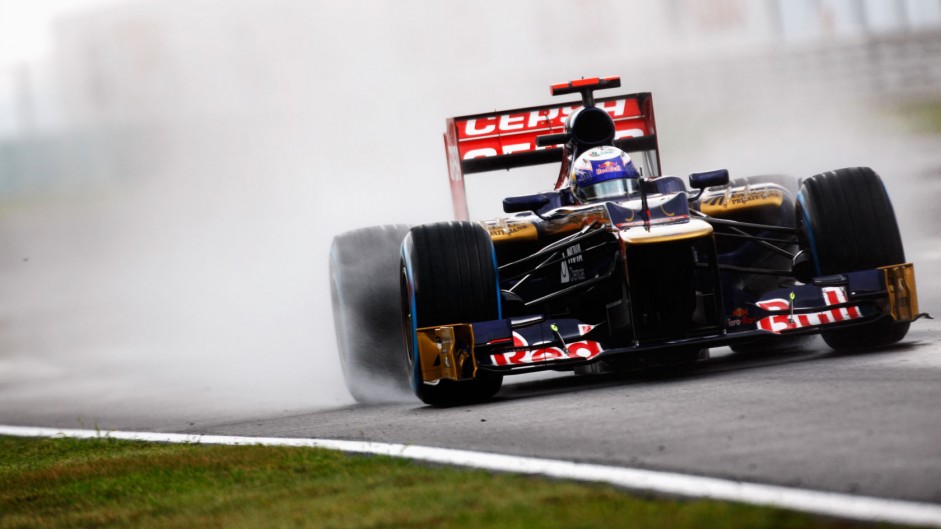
(886, 291)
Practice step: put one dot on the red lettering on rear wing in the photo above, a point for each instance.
(507, 139)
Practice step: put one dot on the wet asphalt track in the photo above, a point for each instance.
(867, 423)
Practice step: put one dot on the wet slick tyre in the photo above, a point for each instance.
(367, 313)
(847, 222)
(448, 275)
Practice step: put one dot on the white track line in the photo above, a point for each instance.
(827, 503)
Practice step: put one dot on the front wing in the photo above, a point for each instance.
(459, 351)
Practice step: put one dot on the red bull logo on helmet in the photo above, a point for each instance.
(609, 166)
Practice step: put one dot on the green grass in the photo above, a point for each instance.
(110, 483)
(923, 116)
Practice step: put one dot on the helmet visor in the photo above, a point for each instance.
(621, 187)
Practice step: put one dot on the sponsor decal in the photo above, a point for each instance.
(785, 322)
(740, 317)
(609, 166)
(496, 147)
(599, 152)
(580, 350)
(502, 230)
(541, 118)
(514, 132)
(742, 199)
(570, 270)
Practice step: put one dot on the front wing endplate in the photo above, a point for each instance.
(447, 352)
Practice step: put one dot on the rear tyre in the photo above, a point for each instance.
(367, 314)
(448, 275)
(847, 222)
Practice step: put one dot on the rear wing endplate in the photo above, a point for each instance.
(507, 139)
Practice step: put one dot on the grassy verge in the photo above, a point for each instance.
(922, 116)
(109, 483)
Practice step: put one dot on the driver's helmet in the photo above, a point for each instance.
(603, 172)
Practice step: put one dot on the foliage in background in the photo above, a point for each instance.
(923, 116)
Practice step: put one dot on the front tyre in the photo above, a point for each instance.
(848, 224)
(448, 275)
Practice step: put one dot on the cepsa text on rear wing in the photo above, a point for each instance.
(507, 139)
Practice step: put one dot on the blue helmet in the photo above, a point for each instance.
(603, 172)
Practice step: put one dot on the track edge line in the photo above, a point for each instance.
(863, 508)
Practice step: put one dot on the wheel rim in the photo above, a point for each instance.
(805, 224)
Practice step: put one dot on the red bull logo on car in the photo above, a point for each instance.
(786, 322)
(580, 350)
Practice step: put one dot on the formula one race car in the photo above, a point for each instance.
(617, 266)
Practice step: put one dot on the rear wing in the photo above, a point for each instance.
(506, 139)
